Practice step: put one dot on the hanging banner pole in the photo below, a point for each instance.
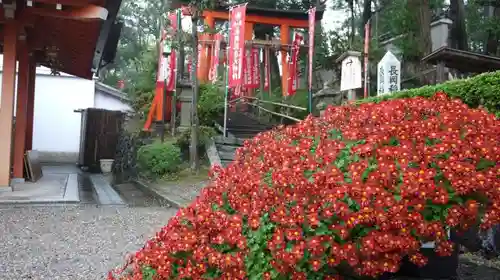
(312, 22)
(367, 49)
(176, 76)
(235, 54)
(226, 103)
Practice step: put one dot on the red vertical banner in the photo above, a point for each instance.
(214, 63)
(170, 74)
(256, 67)
(200, 49)
(251, 71)
(312, 23)
(293, 65)
(267, 69)
(189, 66)
(236, 45)
(247, 69)
(162, 63)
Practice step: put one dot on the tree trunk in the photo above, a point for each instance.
(352, 32)
(367, 14)
(458, 32)
(421, 37)
(491, 44)
(193, 148)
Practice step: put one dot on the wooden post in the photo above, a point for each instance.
(285, 39)
(440, 72)
(30, 108)
(21, 111)
(7, 100)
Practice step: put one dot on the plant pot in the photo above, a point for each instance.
(436, 268)
(106, 165)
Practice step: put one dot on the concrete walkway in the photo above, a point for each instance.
(59, 184)
(178, 195)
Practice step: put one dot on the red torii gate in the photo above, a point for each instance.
(65, 35)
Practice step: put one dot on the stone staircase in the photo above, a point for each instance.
(240, 126)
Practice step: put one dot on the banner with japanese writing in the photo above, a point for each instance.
(170, 74)
(189, 66)
(312, 22)
(256, 67)
(267, 69)
(293, 68)
(247, 69)
(162, 61)
(214, 63)
(252, 71)
(236, 45)
(200, 49)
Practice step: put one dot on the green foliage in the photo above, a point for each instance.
(158, 159)
(210, 104)
(481, 90)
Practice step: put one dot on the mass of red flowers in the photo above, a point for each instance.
(351, 192)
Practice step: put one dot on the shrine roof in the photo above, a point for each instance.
(464, 61)
(69, 36)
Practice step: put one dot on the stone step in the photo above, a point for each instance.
(106, 195)
(226, 148)
(226, 156)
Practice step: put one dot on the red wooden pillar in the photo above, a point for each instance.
(285, 39)
(30, 107)
(21, 110)
(7, 100)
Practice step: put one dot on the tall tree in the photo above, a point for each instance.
(458, 34)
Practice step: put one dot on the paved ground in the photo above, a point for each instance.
(72, 242)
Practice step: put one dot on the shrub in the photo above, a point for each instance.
(158, 159)
(184, 139)
(352, 192)
(210, 104)
(479, 90)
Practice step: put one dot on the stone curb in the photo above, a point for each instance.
(156, 193)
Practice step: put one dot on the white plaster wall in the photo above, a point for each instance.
(108, 102)
(56, 125)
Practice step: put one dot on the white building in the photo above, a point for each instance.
(57, 127)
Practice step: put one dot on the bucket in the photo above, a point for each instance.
(106, 165)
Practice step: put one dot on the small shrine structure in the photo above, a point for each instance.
(71, 36)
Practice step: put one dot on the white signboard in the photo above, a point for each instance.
(351, 73)
(388, 74)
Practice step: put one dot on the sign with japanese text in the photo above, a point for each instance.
(293, 68)
(351, 73)
(214, 67)
(236, 45)
(388, 74)
(312, 23)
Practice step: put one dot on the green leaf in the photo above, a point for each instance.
(148, 273)
(393, 141)
(484, 164)
(336, 134)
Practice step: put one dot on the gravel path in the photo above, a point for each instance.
(72, 242)
(76, 242)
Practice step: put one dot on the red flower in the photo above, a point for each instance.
(365, 185)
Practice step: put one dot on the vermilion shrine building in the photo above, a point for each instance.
(71, 36)
(286, 20)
